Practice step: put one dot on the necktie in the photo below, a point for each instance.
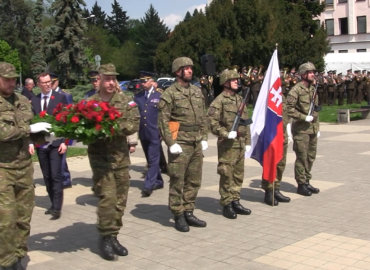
(45, 106)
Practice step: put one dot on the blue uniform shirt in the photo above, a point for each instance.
(148, 109)
(90, 93)
(66, 94)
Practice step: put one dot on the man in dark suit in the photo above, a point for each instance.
(27, 89)
(147, 102)
(67, 179)
(50, 155)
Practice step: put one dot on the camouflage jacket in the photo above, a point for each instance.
(113, 153)
(298, 105)
(285, 119)
(221, 114)
(14, 132)
(185, 106)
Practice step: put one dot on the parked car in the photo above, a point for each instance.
(197, 84)
(124, 85)
(167, 84)
(134, 86)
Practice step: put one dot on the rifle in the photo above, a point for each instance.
(313, 107)
(238, 120)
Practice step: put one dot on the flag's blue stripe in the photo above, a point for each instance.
(267, 135)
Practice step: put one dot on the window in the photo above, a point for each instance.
(318, 23)
(343, 26)
(330, 51)
(329, 2)
(361, 24)
(330, 27)
(342, 1)
(361, 50)
(343, 51)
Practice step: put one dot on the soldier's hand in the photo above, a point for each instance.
(248, 148)
(204, 145)
(38, 127)
(132, 149)
(175, 149)
(309, 118)
(232, 135)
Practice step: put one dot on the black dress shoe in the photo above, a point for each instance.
(118, 248)
(312, 189)
(180, 223)
(106, 248)
(157, 187)
(229, 212)
(280, 197)
(240, 209)
(192, 220)
(67, 186)
(303, 190)
(55, 214)
(268, 198)
(146, 192)
(48, 212)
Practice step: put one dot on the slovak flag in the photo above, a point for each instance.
(267, 127)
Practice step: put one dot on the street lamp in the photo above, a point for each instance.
(90, 16)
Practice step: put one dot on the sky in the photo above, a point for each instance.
(170, 11)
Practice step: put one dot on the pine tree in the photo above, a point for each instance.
(117, 23)
(100, 18)
(153, 32)
(38, 64)
(187, 17)
(66, 43)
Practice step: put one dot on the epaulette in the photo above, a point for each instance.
(160, 90)
(66, 91)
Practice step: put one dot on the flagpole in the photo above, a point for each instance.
(273, 183)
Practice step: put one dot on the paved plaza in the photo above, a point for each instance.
(329, 230)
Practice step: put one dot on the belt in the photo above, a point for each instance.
(189, 128)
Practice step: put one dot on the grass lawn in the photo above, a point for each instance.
(328, 114)
(72, 152)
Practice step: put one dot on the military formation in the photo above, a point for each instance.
(179, 117)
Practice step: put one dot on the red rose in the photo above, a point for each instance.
(52, 97)
(75, 119)
(99, 118)
(42, 114)
(104, 106)
(69, 106)
(58, 117)
(112, 116)
(98, 127)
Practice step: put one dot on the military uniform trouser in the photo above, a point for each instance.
(350, 93)
(304, 146)
(280, 167)
(185, 171)
(340, 98)
(231, 170)
(321, 97)
(111, 187)
(255, 94)
(368, 95)
(17, 200)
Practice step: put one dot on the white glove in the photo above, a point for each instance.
(38, 127)
(309, 118)
(51, 137)
(289, 132)
(248, 148)
(204, 145)
(232, 135)
(175, 149)
(318, 134)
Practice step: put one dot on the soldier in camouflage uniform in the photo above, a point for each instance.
(305, 128)
(231, 145)
(183, 105)
(266, 185)
(17, 195)
(109, 161)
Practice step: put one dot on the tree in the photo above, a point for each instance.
(7, 54)
(100, 18)
(187, 17)
(38, 64)
(67, 51)
(153, 32)
(117, 23)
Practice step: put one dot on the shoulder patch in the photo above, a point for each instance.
(211, 111)
(290, 99)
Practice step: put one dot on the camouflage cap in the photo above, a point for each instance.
(227, 75)
(108, 69)
(181, 62)
(8, 70)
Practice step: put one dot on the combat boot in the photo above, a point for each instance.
(16, 266)
(312, 189)
(192, 220)
(240, 209)
(268, 198)
(303, 190)
(118, 248)
(106, 248)
(180, 223)
(229, 212)
(280, 197)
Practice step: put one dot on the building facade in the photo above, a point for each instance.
(348, 25)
